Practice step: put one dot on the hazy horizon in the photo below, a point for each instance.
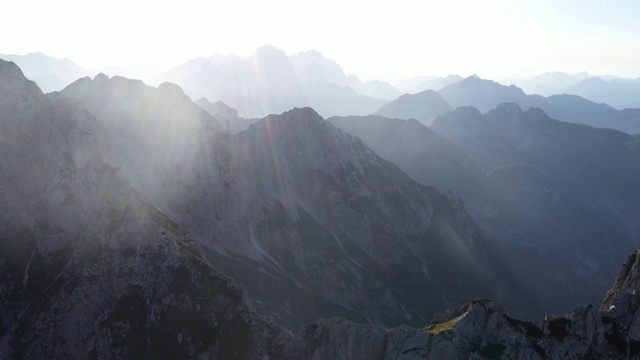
(502, 38)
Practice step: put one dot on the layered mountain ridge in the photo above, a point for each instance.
(555, 201)
(295, 203)
(485, 95)
(119, 187)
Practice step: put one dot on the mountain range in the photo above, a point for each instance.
(485, 95)
(289, 198)
(619, 93)
(549, 83)
(50, 74)
(269, 81)
(132, 214)
(534, 185)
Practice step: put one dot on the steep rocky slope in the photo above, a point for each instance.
(346, 224)
(420, 152)
(295, 209)
(567, 192)
(556, 201)
(88, 267)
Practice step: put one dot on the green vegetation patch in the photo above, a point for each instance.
(436, 328)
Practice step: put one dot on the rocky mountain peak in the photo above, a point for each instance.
(171, 89)
(101, 77)
(462, 113)
(509, 108)
(308, 132)
(477, 82)
(627, 283)
(304, 114)
(303, 121)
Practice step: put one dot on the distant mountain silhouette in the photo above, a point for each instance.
(270, 82)
(313, 68)
(486, 95)
(424, 106)
(261, 84)
(619, 93)
(547, 84)
(418, 84)
(50, 74)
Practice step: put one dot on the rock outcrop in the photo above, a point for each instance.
(483, 330)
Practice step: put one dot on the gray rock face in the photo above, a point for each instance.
(88, 267)
(556, 201)
(423, 154)
(294, 203)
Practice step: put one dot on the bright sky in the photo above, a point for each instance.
(493, 38)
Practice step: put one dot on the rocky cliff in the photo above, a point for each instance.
(295, 209)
